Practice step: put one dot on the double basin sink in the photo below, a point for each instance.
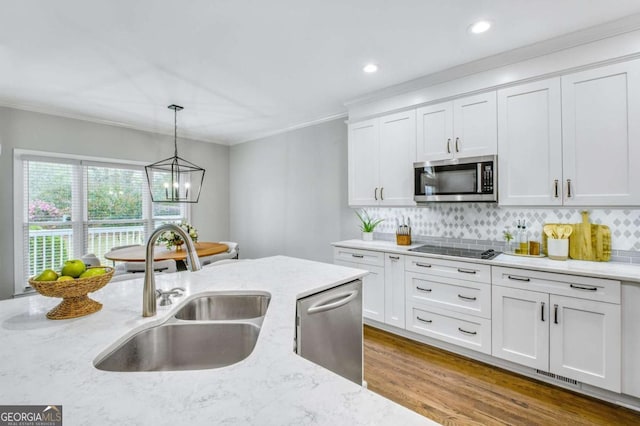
(209, 331)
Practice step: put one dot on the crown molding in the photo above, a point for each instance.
(291, 128)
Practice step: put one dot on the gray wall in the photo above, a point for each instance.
(29, 130)
(289, 193)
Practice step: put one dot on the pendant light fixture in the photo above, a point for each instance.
(174, 180)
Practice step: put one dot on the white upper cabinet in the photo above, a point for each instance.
(435, 132)
(381, 156)
(464, 127)
(530, 144)
(363, 163)
(601, 136)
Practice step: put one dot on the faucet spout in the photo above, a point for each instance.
(149, 291)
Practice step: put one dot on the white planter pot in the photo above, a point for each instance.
(367, 236)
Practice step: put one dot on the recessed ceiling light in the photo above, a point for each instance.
(370, 68)
(480, 27)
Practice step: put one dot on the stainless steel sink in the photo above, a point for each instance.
(183, 346)
(223, 306)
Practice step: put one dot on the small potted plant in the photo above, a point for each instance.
(367, 224)
(172, 239)
(508, 236)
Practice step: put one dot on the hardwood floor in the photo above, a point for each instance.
(454, 390)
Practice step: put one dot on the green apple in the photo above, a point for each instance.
(65, 278)
(93, 272)
(73, 268)
(47, 275)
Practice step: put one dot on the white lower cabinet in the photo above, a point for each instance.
(572, 333)
(394, 290)
(449, 301)
(383, 288)
(521, 326)
(449, 326)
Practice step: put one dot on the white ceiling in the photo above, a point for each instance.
(244, 68)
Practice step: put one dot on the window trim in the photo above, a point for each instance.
(19, 208)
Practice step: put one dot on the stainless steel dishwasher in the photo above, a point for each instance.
(329, 329)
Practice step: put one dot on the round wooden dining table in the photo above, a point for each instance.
(137, 253)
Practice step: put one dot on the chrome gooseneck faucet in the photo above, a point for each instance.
(193, 263)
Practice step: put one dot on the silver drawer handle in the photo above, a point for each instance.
(359, 256)
(423, 265)
(424, 320)
(428, 290)
(472, 333)
(466, 271)
(466, 298)
(394, 257)
(511, 277)
(579, 287)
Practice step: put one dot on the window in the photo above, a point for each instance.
(70, 207)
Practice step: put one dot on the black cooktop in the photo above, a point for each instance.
(457, 252)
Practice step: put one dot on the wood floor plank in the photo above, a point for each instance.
(455, 390)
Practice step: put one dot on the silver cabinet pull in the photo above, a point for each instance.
(471, 333)
(467, 298)
(394, 257)
(466, 271)
(579, 287)
(542, 311)
(555, 188)
(427, 290)
(457, 148)
(568, 188)
(424, 320)
(381, 195)
(375, 193)
(423, 265)
(555, 314)
(359, 256)
(449, 146)
(512, 277)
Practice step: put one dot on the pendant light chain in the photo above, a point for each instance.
(175, 132)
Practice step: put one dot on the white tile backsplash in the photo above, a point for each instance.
(485, 221)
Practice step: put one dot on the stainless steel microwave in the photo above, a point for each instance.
(460, 179)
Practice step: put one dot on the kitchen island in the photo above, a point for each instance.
(51, 362)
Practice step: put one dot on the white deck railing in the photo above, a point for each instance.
(49, 248)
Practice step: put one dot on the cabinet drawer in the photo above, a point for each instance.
(598, 289)
(375, 258)
(458, 329)
(466, 297)
(449, 268)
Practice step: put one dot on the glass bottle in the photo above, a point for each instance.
(524, 239)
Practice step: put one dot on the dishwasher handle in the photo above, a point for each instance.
(332, 302)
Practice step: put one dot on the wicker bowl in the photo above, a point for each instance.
(75, 302)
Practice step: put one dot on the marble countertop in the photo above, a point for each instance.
(612, 270)
(46, 362)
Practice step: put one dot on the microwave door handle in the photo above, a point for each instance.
(479, 178)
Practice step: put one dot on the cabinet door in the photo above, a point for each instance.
(530, 144)
(475, 128)
(630, 339)
(601, 135)
(372, 289)
(394, 299)
(585, 341)
(397, 154)
(435, 132)
(520, 326)
(363, 163)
